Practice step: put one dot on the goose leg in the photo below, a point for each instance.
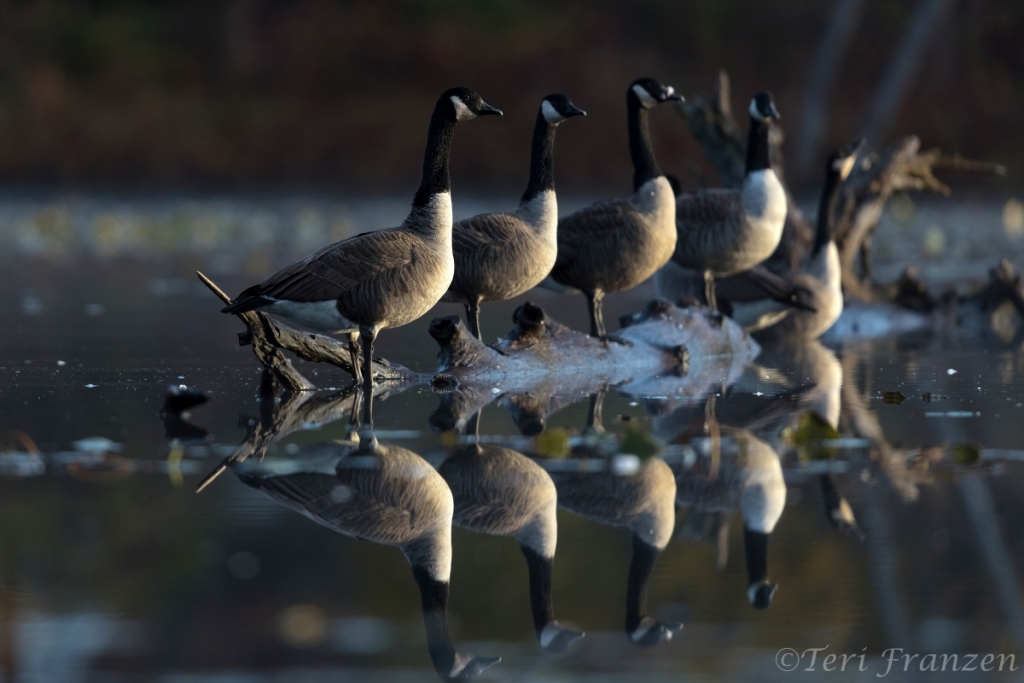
(709, 290)
(594, 307)
(353, 352)
(366, 336)
(595, 421)
(473, 316)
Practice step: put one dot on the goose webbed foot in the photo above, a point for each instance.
(609, 338)
(850, 529)
(556, 639)
(652, 632)
(469, 668)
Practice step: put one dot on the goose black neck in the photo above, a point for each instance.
(755, 545)
(436, 178)
(644, 165)
(758, 157)
(542, 159)
(434, 597)
(640, 570)
(826, 210)
(540, 569)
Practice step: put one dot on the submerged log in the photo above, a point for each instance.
(996, 309)
(900, 167)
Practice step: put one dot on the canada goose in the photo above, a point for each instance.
(637, 495)
(821, 276)
(725, 231)
(382, 494)
(500, 492)
(615, 245)
(378, 279)
(499, 256)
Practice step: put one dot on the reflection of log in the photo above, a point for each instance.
(859, 420)
(294, 412)
(899, 167)
(268, 337)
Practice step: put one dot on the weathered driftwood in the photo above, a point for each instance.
(662, 340)
(899, 167)
(268, 337)
(664, 353)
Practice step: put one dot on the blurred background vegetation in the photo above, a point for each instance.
(337, 94)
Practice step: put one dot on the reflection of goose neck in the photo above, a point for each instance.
(759, 590)
(640, 570)
(541, 604)
(434, 598)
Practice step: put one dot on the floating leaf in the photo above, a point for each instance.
(639, 444)
(553, 443)
(811, 431)
(928, 397)
(964, 454)
(893, 398)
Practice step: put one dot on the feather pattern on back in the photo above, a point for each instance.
(615, 245)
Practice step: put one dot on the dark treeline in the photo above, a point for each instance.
(338, 93)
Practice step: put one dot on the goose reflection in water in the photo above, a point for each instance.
(640, 497)
(737, 470)
(501, 492)
(733, 468)
(382, 494)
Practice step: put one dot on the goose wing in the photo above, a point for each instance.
(707, 223)
(483, 233)
(595, 230)
(342, 269)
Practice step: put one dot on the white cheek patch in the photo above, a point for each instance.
(551, 114)
(754, 112)
(462, 112)
(644, 96)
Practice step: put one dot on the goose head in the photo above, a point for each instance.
(467, 104)
(841, 160)
(557, 108)
(762, 107)
(650, 93)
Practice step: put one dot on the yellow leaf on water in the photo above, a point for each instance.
(639, 444)
(553, 443)
(811, 431)
(964, 454)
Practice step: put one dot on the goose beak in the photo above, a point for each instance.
(486, 109)
(670, 95)
(573, 110)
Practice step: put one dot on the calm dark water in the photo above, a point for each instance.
(112, 568)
